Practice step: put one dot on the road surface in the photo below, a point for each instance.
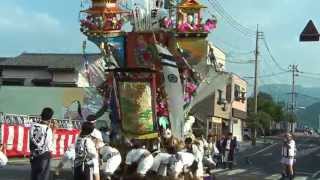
(265, 164)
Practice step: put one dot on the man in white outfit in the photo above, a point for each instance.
(197, 152)
(288, 153)
(98, 140)
(40, 144)
(111, 160)
(139, 160)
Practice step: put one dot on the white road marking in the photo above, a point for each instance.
(278, 176)
(264, 149)
(273, 176)
(268, 154)
(316, 174)
(304, 173)
(236, 171)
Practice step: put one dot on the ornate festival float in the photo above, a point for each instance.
(150, 52)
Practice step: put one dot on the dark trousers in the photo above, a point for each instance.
(81, 173)
(40, 167)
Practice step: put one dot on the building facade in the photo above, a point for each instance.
(220, 105)
(58, 70)
(32, 81)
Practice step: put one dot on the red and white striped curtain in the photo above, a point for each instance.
(15, 138)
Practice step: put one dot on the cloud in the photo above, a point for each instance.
(17, 19)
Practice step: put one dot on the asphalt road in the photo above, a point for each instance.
(265, 163)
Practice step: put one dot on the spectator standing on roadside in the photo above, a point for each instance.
(229, 147)
(219, 145)
(40, 142)
(288, 156)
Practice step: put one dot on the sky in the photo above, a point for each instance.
(52, 26)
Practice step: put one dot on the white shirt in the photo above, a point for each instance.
(85, 147)
(42, 136)
(290, 150)
(134, 155)
(196, 152)
(161, 158)
(107, 150)
(187, 158)
(111, 159)
(144, 164)
(228, 144)
(70, 154)
(98, 135)
(3, 159)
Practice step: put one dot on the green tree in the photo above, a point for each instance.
(268, 112)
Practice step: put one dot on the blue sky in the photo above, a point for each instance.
(52, 26)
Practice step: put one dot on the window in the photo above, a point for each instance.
(237, 93)
(243, 96)
(216, 130)
(64, 84)
(220, 96)
(13, 82)
(228, 93)
(210, 125)
(41, 82)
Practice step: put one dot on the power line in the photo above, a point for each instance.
(304, 76)
(234, 48)
(267, 75)
(271, 56)
(231, 21)
(310, 73)
(231, 53)
(236, 61)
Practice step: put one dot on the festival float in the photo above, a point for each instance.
(149, 79)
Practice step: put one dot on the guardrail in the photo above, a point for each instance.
(27, 120)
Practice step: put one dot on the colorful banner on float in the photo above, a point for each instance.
(136, 107)
(174, 91)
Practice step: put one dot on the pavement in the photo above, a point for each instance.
(264, 163)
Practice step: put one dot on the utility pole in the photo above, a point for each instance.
(256, 72)
(294, 69)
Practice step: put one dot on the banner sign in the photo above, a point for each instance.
(136, 107)
(174, 91)
(16, 140)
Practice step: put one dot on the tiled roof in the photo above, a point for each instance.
(49, 60)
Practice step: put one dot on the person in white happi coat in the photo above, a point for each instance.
(288, 153)
(139, 160)
(3, 157)
(86, 152)
(40, 144)
(160, 162)
(111, 160)
(210, 151)
(98, 140)
(198, 154)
